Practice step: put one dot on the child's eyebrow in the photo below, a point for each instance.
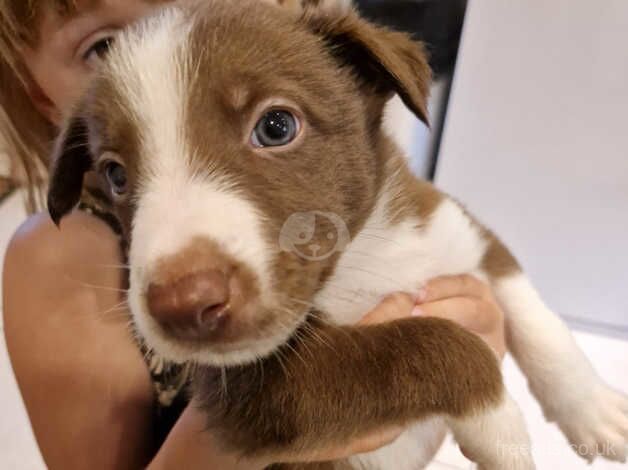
(66, 10)
(79, 18)
(73, 9)
(73, 28)
(77, 7)
(72, 25)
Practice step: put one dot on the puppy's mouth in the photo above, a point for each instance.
(225, 341)
(212, 316)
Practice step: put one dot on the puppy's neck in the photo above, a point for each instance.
(381, 258)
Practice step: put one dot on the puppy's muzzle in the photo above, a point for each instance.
(194, 307)
(200, 294)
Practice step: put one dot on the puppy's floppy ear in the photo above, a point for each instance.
(71, 160)
(389, 61)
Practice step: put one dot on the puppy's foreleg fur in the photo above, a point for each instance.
(428, 367)
(592, 416)
(496, 439)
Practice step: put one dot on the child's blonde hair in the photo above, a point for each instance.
(28, 134)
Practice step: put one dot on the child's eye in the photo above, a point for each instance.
(98, 51)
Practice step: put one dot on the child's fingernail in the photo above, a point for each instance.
(417, 312)
(421, 295)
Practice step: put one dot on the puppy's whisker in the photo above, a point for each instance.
(278, 354)
(371, 255)
(95, 286)
(114, 315)
(375, 274)
(122, 306)
(351, 291)
(364, 234)
(335, 296)
(301, 341)
(223, 379)
(295, 352)
(303, 302)
(317, 335)
(112, 266)
(119, 312)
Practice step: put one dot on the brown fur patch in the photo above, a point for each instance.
(410, 196)
(498, 261)
(198, 255)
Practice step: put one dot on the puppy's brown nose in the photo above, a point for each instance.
(194, 307)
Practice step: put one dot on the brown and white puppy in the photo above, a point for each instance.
(266, 210)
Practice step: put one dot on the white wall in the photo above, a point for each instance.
(536, 143)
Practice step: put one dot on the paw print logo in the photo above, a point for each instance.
(314, 235)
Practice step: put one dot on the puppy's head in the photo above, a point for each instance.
(240, 146)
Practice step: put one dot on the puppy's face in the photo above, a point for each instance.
(238, 145)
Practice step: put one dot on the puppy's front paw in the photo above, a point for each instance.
(496, 439)
(596, 424)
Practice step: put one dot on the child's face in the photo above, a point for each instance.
(70, 48)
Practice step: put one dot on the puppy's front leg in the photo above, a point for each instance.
(332, 384)
(593, 417)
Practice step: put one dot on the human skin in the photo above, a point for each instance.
(66, 322)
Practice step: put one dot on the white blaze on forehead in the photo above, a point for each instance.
(149, 69)
(151, 73)
(173, 211)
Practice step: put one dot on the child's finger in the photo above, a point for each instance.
(484, 318)
(393, 307)
(463, 285)
(472, 314)
(373, 441)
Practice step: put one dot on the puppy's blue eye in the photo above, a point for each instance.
(274, 129)
(117, 178)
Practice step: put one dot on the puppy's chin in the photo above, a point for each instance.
(224, 355)
(244, 350)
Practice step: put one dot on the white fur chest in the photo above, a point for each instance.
(385, 258)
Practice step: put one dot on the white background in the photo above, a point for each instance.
(536, 144)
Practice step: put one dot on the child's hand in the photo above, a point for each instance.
(462, 299)
(467, 301)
